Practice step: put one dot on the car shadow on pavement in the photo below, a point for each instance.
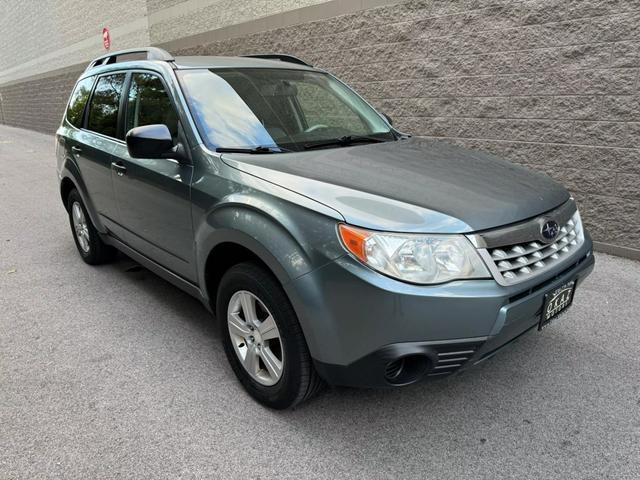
(179, 303)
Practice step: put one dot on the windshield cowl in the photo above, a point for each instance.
(260, 149)
(344, 141)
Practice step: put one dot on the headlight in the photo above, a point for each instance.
(415, 258)
(579, 231)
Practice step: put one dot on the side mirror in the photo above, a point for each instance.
(387, 118)
(153, 141)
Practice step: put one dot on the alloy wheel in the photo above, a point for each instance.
(80, 227)
(255, 338)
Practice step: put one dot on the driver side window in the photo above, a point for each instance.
(148, 103)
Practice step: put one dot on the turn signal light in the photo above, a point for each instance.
(354, 238)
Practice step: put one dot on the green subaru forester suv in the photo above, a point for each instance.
(331, 247)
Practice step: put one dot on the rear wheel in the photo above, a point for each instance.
(263, 339)
(90, 246)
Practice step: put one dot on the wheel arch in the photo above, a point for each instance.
(70, 178)
(236, 230)
(66, 185)
(235, 249)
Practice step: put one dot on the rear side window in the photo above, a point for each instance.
(78, 100)
(149, 103)
(103, 110)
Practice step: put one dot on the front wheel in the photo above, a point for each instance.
(263, 339)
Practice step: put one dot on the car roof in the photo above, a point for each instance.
(236, 62)
(157, 58)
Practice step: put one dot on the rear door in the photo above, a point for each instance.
(71, 136)
(153, 195)
(96, 142)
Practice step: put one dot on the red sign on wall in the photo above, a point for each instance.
(106, 38)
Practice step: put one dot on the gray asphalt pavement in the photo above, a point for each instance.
(110, 372)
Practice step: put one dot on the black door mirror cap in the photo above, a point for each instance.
(154, 141)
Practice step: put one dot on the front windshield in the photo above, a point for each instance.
(279, 108)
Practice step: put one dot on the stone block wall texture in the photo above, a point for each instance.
(171, 19)
(549, 84)
(37, 103)
(41, 35)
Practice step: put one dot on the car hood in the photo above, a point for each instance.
(411, 185)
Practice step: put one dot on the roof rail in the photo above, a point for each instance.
(280, 56)
(153, 53)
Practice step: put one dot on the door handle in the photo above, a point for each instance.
(119, 168)
(76, 150)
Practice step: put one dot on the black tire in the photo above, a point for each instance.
(98, 252)
(299, 380)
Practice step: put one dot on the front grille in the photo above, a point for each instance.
(452, 357)
(515, 263)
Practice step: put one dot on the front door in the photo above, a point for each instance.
(153, 195)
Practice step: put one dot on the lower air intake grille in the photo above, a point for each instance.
(452, 357)
(393, 369)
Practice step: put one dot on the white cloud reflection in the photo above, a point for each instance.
(223, 117)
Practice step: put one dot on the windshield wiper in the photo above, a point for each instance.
(344, 141)
(258, 149)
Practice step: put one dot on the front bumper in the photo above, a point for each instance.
(360, 325)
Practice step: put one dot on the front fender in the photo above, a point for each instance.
(290, 247)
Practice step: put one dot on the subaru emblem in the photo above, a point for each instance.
(550, 230)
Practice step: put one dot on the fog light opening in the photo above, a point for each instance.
(405, 370)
